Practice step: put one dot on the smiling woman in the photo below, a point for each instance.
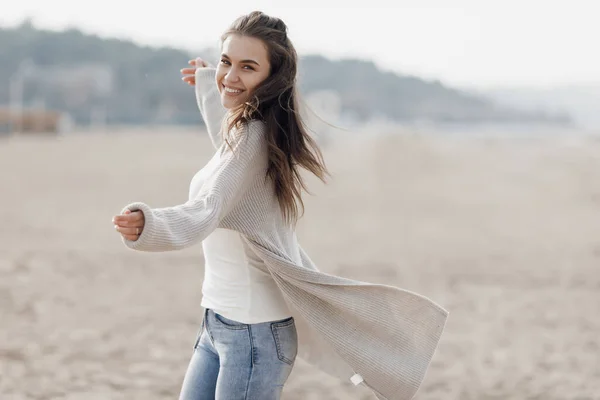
(264, 300)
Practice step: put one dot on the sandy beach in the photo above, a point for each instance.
(503, 232)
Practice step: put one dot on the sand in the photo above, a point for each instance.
(503, 232)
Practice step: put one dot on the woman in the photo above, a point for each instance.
(264, 300)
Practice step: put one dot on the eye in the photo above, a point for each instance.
(249, 67)
(224, 61)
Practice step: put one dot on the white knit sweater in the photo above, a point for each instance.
(381, 335)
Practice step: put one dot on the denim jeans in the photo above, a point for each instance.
(235, 361)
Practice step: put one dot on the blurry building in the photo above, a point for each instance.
(36, 120)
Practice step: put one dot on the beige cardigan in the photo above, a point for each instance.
(379, 335)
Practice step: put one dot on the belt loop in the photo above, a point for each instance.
(203, 324)
(206, 327)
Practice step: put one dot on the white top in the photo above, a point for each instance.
(235, 282)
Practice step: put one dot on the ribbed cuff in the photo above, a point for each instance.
(205, 79)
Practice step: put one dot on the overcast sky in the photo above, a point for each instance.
(461, 42)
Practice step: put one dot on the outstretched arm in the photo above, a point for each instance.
(177, 227)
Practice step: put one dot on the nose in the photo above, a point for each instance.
(232, 75)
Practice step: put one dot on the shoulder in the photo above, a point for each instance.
(249, 141)
(251, 134)
(256, 128)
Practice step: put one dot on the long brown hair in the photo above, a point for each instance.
(275, 101)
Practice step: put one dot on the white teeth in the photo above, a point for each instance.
(232, 90)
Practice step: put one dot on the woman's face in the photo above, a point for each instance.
(243, 66)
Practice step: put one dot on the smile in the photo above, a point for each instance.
(231, 90)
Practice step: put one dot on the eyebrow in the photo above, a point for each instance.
(243, 61)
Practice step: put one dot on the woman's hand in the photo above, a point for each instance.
(189, 74)
(130, 224)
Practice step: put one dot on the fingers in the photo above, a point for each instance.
(133, 238)
(130, 233)
(128, 216)
(129, 220)
(189, 75)
(133, 231)
(188, 71)
(120, 221)
(190, 80)
(200, 63)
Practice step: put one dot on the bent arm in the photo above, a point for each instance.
(174, 228)
(209, 103)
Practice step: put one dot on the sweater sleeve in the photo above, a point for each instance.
(209, 103)
(174, 228)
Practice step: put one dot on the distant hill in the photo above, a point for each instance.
(582, 102)
(117, 81)
(367, 91)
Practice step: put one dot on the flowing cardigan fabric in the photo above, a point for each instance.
(381, 336)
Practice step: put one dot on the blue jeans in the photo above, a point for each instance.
(235, 361)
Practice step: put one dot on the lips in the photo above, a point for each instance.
(232, 90)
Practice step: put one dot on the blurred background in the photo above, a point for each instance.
(470, 132)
